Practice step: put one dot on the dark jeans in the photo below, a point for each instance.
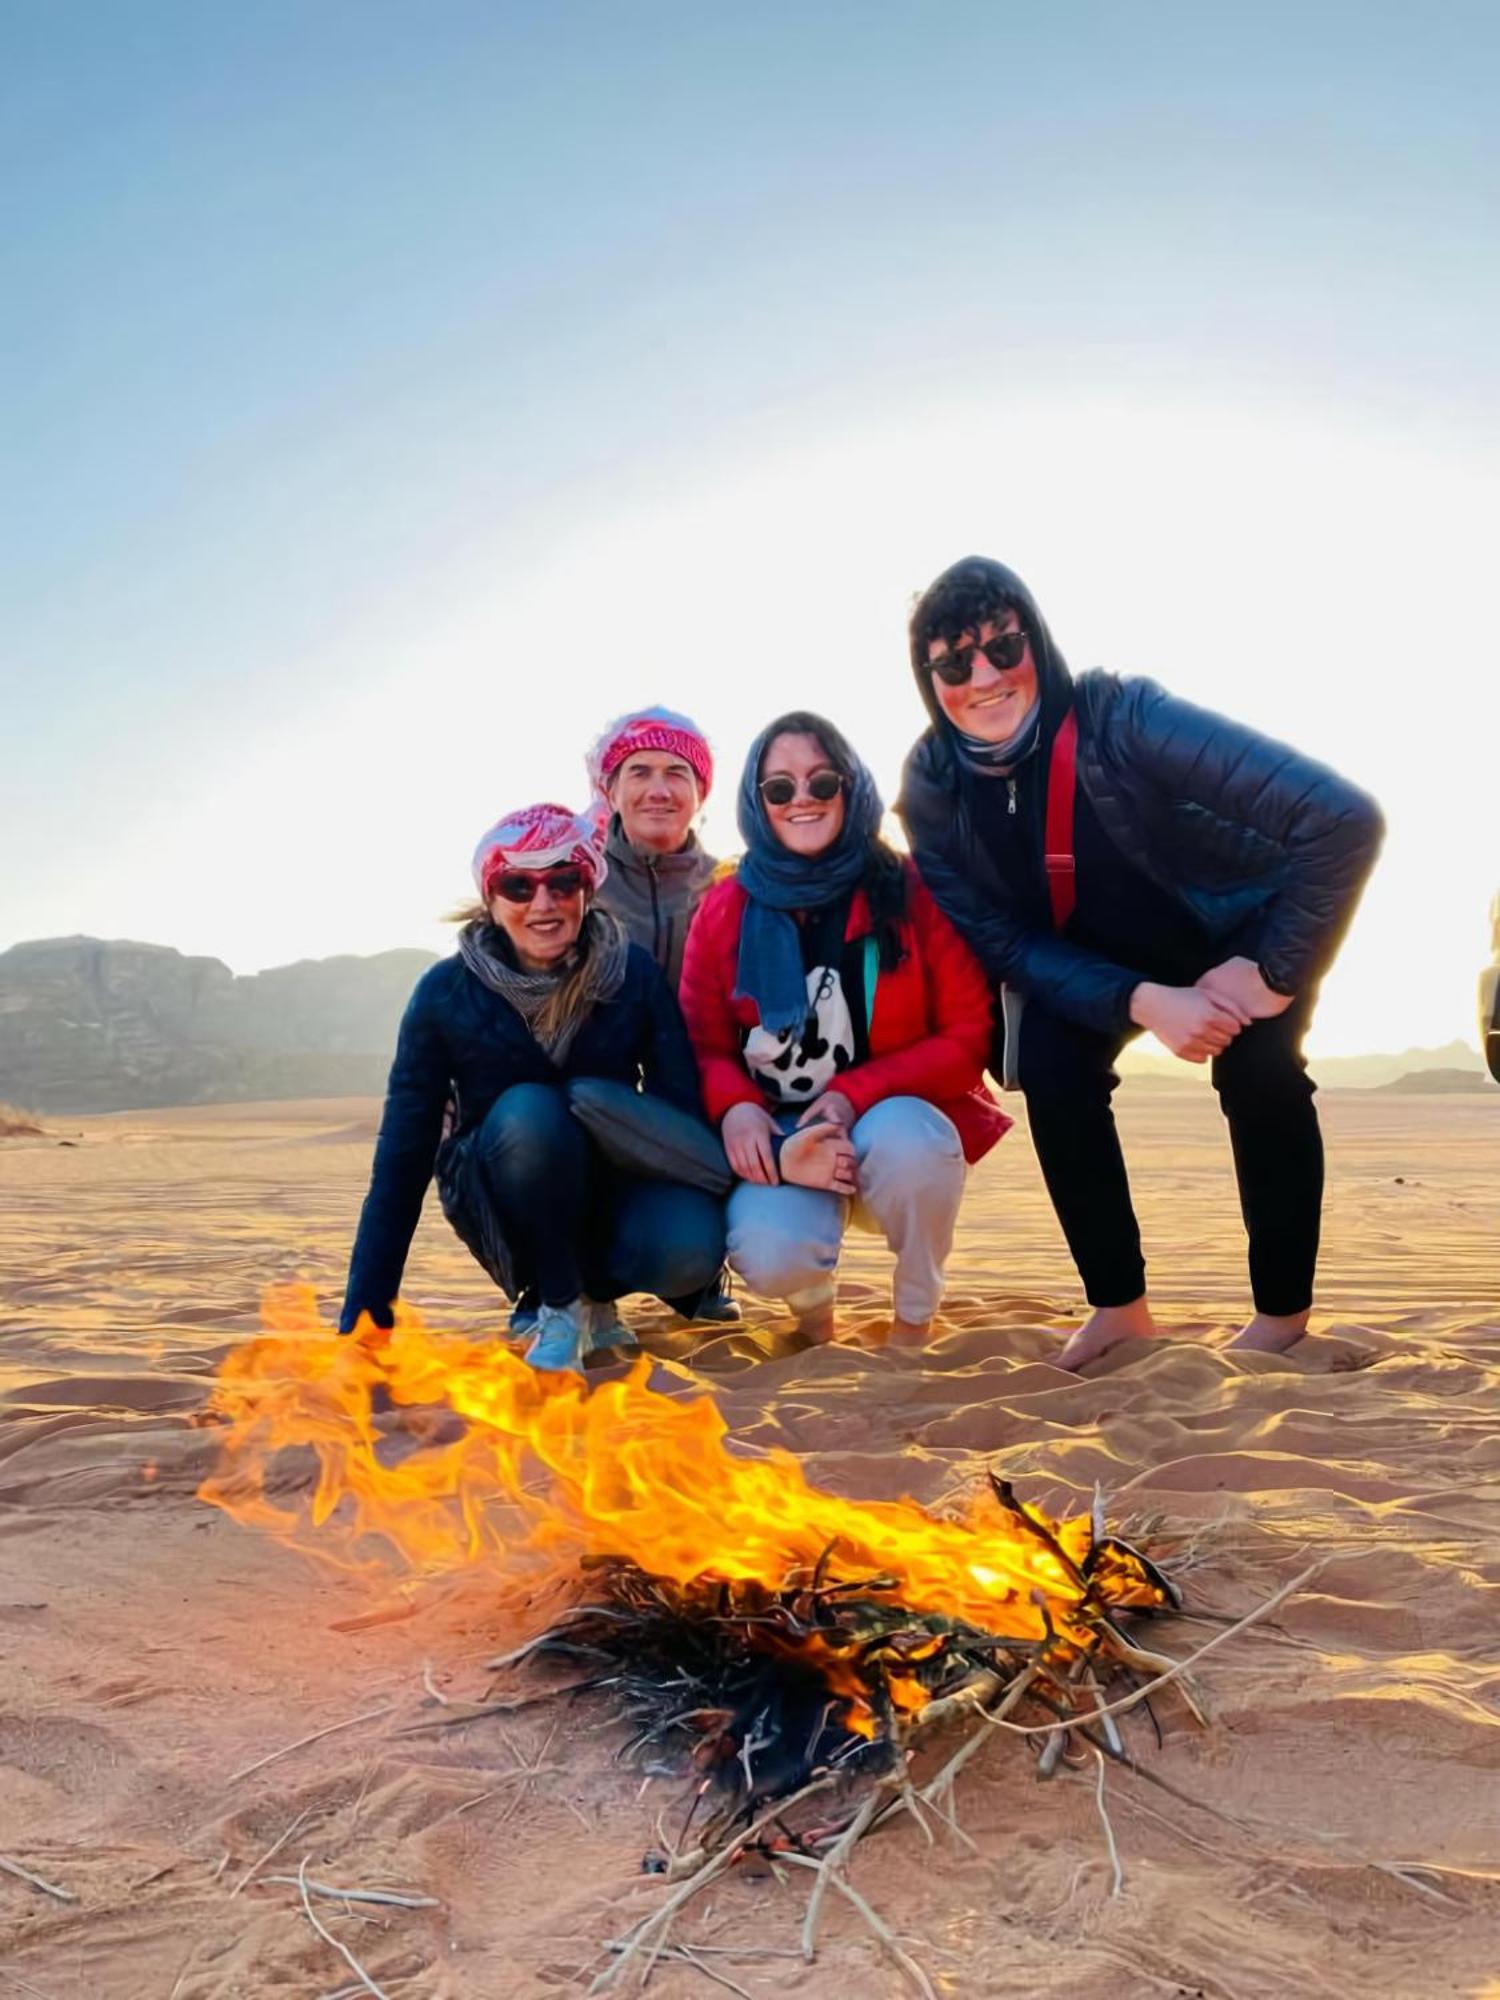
(575, 1225)
(1266, 1095)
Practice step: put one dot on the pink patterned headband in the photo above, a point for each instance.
(652, 729)
(543, 836)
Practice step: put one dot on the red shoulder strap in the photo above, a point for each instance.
(1062, 783)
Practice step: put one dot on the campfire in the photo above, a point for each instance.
(794, 1654)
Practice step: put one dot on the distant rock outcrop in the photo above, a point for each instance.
(87, 1025)
(1372, 1072)
(1440, 1083)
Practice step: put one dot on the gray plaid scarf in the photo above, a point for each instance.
(601, 952)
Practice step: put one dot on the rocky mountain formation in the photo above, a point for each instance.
(88, 1025)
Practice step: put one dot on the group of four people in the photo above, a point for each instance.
(1089, 858)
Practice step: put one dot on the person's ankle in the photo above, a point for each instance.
(910, 1332)
(1134, 1314)
(1272, 1333)
(1107, 1327)
(816, 1325)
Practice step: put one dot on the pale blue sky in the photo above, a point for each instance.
(352, 351)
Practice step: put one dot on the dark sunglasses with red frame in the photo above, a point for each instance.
(519, 885)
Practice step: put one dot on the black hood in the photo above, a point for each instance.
(978, 581)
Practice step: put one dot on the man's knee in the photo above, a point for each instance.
(1260, 1075)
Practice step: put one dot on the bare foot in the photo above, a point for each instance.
(909, 1332)
(1106, 1327)
(1272, 1333)
(816, 1328)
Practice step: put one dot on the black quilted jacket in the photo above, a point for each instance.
(1254, 839)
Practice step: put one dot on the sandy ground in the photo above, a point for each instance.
(1340, 1830)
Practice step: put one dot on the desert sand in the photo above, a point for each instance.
(1334, 1831)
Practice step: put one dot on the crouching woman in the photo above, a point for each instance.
(543, 991)
(822, 985)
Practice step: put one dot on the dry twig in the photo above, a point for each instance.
(476, 1711)
(723, 1979)
(715, 1865)
(1015, 1694)
(830, 1866)
(370, 1715)
(274, 1849)
(337, 1895)
(1109, 1832)
(1172, 1673)
(25, 1875)
(328, 1937)
(881, 1929)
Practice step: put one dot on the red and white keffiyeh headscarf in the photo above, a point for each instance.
(651, 729)
(544, 836)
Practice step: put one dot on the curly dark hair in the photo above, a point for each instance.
(961, 600)
(884, 879)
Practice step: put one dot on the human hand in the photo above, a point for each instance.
(820, 1156)
(832, 1108)
(1191, 1023)
(746, 1130)
(1237, 984)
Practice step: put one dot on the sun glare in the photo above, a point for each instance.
(1278, 567)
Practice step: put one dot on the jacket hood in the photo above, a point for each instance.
(978, 580)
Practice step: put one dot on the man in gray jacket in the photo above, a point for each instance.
(653, 770)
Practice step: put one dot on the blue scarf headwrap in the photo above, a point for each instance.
(777, 882)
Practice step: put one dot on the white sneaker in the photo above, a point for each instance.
(560, 1335)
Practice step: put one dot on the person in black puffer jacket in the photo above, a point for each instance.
(544, 994)
(1200, 890)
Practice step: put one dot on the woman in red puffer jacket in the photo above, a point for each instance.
(823, 986)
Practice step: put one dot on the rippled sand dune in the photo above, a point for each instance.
(1335, 1831)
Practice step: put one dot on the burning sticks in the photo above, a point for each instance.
(830, 1688)
(761, 1690)
(782, 1644)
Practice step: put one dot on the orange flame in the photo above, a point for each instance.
(550, 1471)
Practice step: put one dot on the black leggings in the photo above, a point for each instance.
(1266, 1095)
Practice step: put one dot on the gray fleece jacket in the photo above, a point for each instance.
(654, 895)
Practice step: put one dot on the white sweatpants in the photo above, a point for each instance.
(784, 1241)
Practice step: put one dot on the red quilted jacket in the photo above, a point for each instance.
(929, 1033)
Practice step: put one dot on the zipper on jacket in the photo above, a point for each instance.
(1010, 786)
(655, 914)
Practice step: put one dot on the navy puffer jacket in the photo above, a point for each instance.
(458, 1039)
(1251, 837)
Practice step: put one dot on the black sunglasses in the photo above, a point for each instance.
(957, 664)
(781, 790)
(520, 886)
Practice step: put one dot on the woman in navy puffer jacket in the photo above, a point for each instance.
(1196, 882)
(544, 991)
